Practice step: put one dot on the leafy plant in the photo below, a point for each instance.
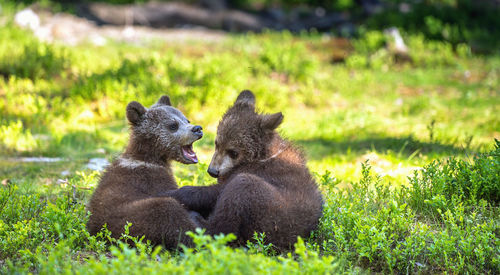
(447, 184)
(379, 228)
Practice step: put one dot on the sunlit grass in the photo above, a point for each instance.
(69, 103)
(330, 110)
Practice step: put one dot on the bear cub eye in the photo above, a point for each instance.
(232, 154)
(173, 126)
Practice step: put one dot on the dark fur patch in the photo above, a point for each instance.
(135, 112)
(164, 100)
(246, 97)
(271, 122)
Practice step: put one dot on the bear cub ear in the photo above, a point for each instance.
(164, 100)
(246, 97)
(135, 112)
(271, 122)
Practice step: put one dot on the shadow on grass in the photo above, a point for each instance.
(404, 147)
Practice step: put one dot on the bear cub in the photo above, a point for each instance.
(263, 182)
(132, 188)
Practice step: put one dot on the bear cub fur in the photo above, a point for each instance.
(132, 187)
(263, 182)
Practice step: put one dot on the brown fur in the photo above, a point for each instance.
(266, 187)
(131, 188)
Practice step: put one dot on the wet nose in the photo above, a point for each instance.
(212, 172)
(196, 129)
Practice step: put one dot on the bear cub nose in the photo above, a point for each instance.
(197, 130)
(212, 172)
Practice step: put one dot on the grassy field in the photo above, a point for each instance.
(405, 153)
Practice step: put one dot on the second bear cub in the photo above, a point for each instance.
(263, 182)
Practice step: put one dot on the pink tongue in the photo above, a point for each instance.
(189, 153)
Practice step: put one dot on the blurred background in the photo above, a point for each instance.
(456, 21)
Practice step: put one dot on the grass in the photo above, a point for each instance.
(378, 135)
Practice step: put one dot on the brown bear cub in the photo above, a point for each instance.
(263, 182)
(131, 188)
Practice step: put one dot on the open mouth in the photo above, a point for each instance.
(188, 153)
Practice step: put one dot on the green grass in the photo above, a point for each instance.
(407, 209)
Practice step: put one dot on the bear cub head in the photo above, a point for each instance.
(161, 133)
(243, 135)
